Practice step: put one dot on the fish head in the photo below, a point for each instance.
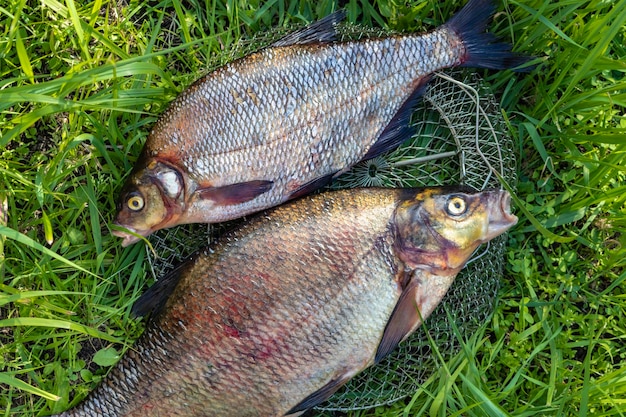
(438, 229)
(153, 198)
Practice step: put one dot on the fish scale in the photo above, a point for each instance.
(281, 122)
(291, 122)
(276, 314)
(281, 311)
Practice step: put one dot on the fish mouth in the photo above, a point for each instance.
(128, 235)
(500, 217)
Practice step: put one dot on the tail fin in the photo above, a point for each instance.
(483, 49)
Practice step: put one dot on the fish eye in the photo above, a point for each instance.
(135, 202)
(456, 206)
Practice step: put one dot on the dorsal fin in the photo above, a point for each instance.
(322, 31)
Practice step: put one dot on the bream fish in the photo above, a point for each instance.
(284, 121)
(281, 311)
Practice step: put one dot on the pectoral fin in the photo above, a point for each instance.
(403, 321)
(235, 193)
(319, 396)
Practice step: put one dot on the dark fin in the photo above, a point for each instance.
(483, 49)
(398, 130)
(153, 300)
(402, 321)
(318, 396)
(311, 186)
(322, 31)
(235, 193)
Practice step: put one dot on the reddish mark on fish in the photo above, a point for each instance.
(170, 158)
(267, 349)
(292, 185)
(231, 332)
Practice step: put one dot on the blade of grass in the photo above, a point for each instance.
(58, 324)
(617, 15)
(78, 27)
(487, 405)
(11, 381)
(541, 228)
(182, 20)
(23, 57)
(27, 295)
(538, 14)
(25, 240)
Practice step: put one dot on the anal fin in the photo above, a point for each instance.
(235, 193)
(398, 130)
(319, 396)
(311, 186)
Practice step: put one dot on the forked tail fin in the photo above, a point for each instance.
(484, 50)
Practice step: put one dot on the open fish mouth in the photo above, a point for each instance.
(128, 238)
(505, 204)
(500, 217)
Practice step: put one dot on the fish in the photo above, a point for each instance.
(282, 310)
(284, 121)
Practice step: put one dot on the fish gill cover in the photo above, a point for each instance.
(460, 137)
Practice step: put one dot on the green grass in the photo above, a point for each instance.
(82, 82)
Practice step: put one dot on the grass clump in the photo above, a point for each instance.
(81, 84)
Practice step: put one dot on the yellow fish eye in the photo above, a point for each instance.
(135, 202)
(456, 206)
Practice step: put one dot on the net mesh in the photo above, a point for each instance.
(460, 137)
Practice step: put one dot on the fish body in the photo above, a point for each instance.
(284, 121)
(281, 311)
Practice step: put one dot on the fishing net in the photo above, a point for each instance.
(460, 137)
